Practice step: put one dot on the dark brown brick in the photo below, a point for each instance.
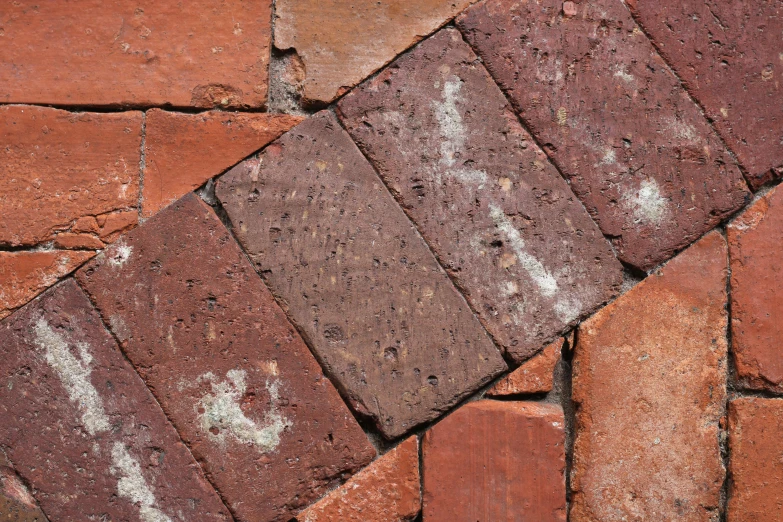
(383, 317)
(16, 502)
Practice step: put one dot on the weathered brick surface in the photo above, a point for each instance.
(117, 52)
(233, 375)
(494, 210)
(755, 449)
(731, 62)
(494, 461)
(534, 376)
(649, 383)
(756, 288)
(617, 122)
(16, 502)
(82, 429)
(183, 151)
(58, 166)
(384, 319)
(388, 490)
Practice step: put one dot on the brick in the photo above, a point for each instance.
(732, 64)
(649, 385)
(534, 376)
(388, 490)
(330, 38)
(497, 214)
(183, 151)
(60, 166)
(16, 502)
(756, 308)
(141, 53)
(23, 275)
(754, 460)
(78, 241)
(231, 372)
(112, 224)
(362, 286)
(82, 429)
(635, 148)
(493, 461)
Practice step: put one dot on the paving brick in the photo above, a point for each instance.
(754, 238)
(82, 429)
(635, 148)
(231, 372)
(122, 52)
(59, 166)
(493, 461)
(16, 502)
(755, 465)
(534, 376)
(649, 383)
(495, 211)
(382, 316)
(183, 151)
(731, 62)
(388, 490)
(331, 37)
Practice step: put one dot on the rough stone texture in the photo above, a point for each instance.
(649, 384)
(16, 503)
(755, 447)
(636, 149)
(82, 429)
(496, 461)
(139, 52)
(383, 317)
(756, 288)
(534, 376)
(341, 43)
(495, 211)
(231, 372)
(732, 62)
(23, 275)
(388, 490)
(183, 151)
(57, 166)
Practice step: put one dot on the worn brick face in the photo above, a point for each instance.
(494, 210)
(534, 376)
(231, 372)
(16, 502)
(649, 383)
(82, 429)
(616, 121)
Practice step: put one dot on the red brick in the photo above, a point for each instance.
(755, 449)
(731, 62)
(534, 376)
(388, 490)
(756, 307)
(113, 224)
(496, 461)
(123, 52)
(16, 502)
(649, 383)
(182, 151)
(495, 211)
(82, 429)
(233, 375)
(635, 148)
(60, 166)
(363, 287)
(72, 241)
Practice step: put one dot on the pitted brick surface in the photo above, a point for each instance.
(534, 376)
(16, 502)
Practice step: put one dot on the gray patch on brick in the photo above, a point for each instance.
(132, 485)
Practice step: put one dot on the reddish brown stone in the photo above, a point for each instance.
(58, 166)
(16, 502)
(495, 211)
(139, 52)
(755, 449)
(649, 383)
(756, 288)
(71, 241)
(183, 151)
(82, 429)
(616, 121)
(233, 375)
(496, 461)
(115, 223)
(388, 490)
(382, 316)
(732, 62)
(534, 376)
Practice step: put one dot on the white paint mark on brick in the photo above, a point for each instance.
(119, 254)
(647, 204)
(133, 486)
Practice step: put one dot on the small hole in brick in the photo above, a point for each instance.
(432, 380)
(390, 354)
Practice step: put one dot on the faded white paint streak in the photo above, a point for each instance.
(647, 204)
(133, 486)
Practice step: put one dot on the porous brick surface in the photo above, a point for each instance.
(485, 197)
(649, 383)
(534, 376)
(363, 287)
(231, 372)
(16, 502)
(616, 121)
